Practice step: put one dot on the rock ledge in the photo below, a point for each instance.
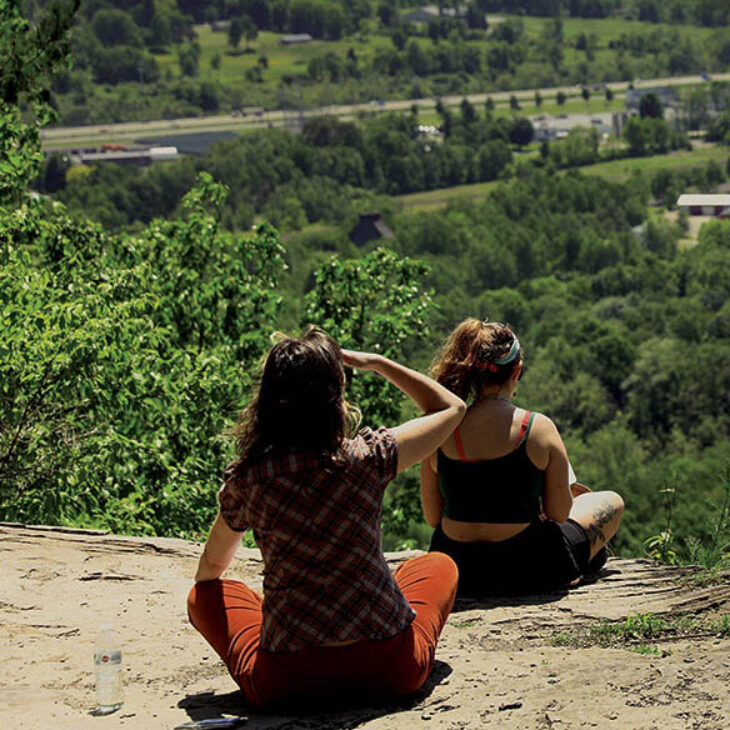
(508, 663)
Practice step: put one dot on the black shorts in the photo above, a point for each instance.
(545, 556)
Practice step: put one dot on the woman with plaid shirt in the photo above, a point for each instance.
(332, 616)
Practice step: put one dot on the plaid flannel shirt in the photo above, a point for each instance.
(317, 523)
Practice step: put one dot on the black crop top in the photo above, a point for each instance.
(502, 490)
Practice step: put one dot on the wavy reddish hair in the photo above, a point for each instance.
(466, 361)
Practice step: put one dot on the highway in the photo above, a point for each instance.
(63, 137)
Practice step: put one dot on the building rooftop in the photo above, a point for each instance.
(704, 199)
(152, 154)
(296, 38)
(370, 227)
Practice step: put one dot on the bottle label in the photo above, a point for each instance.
(108, 657)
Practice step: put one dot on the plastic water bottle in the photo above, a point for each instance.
(108, 668)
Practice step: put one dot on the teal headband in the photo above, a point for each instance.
(514, 351)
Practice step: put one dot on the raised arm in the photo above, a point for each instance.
(218, 552)
(443, 410)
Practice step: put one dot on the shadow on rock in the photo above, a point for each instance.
(471, 603)
(474, 602)
(344, 710)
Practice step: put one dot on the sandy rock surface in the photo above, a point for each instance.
(499, 662)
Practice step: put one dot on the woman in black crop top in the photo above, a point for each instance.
(498, 491)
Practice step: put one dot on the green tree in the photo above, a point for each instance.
(719, 129)
(235, 32)
(475, 17)
(521, 131)
(387, 12)
(665, 187)
(492, 158)
(188, 57)
(650, 106)
(580, 147)
(139, 352)
(250, 31)
(635, 135)
(468, 112)
(114, 27)
(399, 38)
(30, 53)
(375, 303)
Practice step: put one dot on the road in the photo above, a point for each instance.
(98, 134)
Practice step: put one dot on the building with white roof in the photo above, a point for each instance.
(133, 156)
(294, 38)
(717, 205)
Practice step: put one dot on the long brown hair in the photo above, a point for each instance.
(299, 403)
(466, 362)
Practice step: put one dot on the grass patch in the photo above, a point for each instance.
(607, 29)
(617, 170)
(596, 105)
(650, 650)
(282, 60)
(434, 199)
(638, 632)
(707, 577)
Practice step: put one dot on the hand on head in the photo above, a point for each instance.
(359, 360)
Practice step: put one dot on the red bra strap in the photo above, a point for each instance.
(524, 428)
(459, 444)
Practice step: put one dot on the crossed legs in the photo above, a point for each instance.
(229, 615)
(599, 513)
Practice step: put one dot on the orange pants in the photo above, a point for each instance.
(228, 614)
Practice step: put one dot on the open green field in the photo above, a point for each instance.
(282, 60)
(597, 104)
(607, 28)
(290, 60)
(434, 199)
(575, 105)
(614, 170)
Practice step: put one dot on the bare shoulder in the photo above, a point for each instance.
(543, 428)
(543, 422)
